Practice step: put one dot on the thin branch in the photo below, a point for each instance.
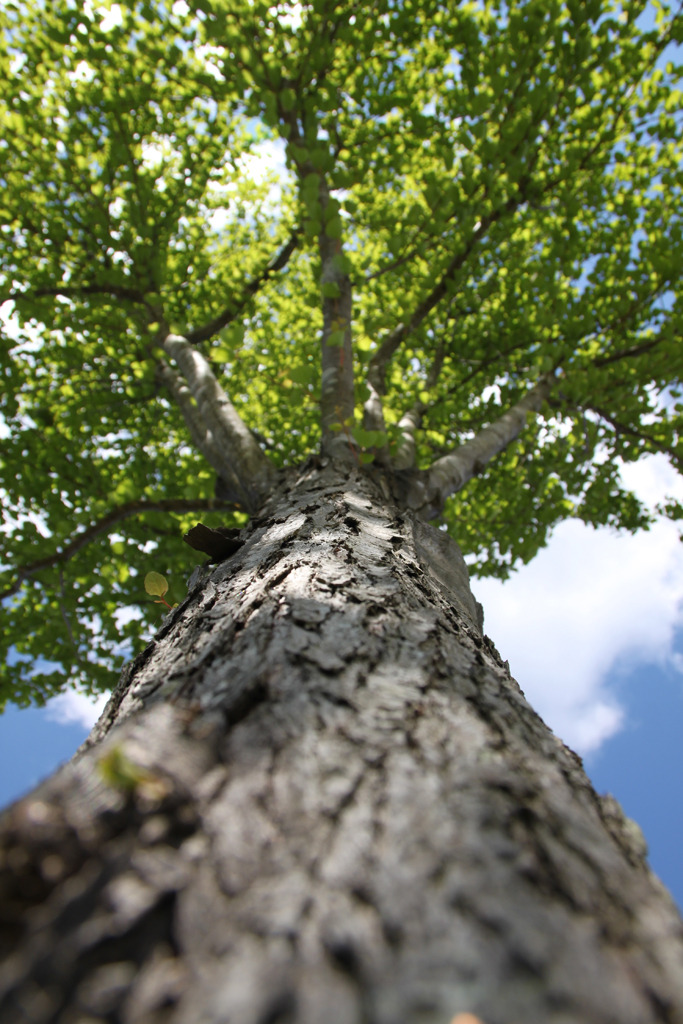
(631, 431)
(628, 353)
(411, 421)
(86, 289)
(394, 265)
(84, 537)
(386, 351)
(235, 308)
(411, 246)
(391, 343)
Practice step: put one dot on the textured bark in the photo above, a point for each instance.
(336, 397)
(318, 796)
(225, 433)
(451, 472)
(202, 438)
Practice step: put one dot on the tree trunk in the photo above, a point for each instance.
(318, 797)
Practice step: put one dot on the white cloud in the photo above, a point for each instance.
(73, 708)
(590, 600)
(652, 479)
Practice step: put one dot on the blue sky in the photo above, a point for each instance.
(643, 764)
(593, 630)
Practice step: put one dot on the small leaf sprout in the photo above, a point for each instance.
(156, 585)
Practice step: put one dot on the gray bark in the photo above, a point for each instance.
(426, 491)
(227, 435)
(202, 438)
(318, 796)
(336, 398)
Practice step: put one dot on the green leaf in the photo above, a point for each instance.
(369, 438)
(155, 584)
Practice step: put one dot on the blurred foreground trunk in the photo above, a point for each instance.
(318, 797)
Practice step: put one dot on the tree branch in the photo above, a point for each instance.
(380, 360)
(233, 309)
(373, 410)
(628, 353)
(201, 436)
(231, 439)
(84, 537)
(451, 472)
(336, 399)
(378, 363)
(85, 289)
(411, 421)
(630, 431)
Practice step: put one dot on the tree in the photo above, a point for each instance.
(317, 793)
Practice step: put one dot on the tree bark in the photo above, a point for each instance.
(318, 796)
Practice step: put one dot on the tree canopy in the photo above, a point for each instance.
(439, 238)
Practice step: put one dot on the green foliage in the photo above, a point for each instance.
(510, 171)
